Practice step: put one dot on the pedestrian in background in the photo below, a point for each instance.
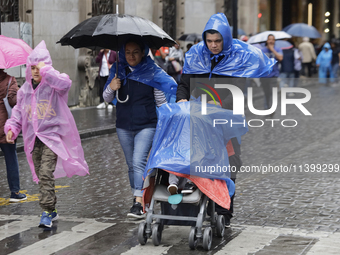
(52, 142)
(287, 73)
(308, 56)
(175, 61)
(269, 81)
(9, 85)
(105, 59)
(324, 62)
(143, 82)
(335, 59)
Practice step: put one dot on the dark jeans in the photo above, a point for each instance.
(102, 82)
(267, 86)
(223, 211)
(309, 67)
(12, 166)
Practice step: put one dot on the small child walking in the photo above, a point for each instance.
(52, 142)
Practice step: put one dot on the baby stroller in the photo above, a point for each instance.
(175, 151)
(192, 211)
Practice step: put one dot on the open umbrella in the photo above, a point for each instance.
(193, 37)
(111, 31)
(262, 37)
(302, 30)
(13, 52)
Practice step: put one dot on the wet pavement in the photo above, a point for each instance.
(294, 212)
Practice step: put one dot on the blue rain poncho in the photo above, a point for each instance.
(186, 141)
(240, 59)
(324, 59)
(146, 72)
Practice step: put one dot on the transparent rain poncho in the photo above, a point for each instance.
(44, 113)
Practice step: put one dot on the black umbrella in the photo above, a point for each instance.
(193, 37)
(111, 31)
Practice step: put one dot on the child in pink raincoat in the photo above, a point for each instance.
(52, 143)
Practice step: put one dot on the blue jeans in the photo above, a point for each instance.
(12, 166)
(287, 78)
(136, 146)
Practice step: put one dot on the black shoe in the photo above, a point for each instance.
(189, 188)
(227, 221)
(136, 211)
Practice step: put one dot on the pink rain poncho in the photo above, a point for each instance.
(44, 113)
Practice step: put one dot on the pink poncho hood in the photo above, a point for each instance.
(43, 112)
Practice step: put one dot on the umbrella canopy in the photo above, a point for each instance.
(13, 52)
(283, 45)
(240, 31)
(110, 31)
(191, 37)
(302, 30)
(262, 37)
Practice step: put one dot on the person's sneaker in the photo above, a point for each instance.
(291, 94)
(136, 211)
(54, 215)
(189, 187)
(17, 197)
(172, 189)
(45, 220)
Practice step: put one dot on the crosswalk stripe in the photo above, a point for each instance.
(168, 241)
(326, 245)
(60, 241)
(246, 238)
(18, 225)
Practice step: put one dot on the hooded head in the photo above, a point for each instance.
(326, 46)
(39, 54)
(218, 23)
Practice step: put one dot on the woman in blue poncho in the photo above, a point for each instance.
(143, 83)
(324, 62)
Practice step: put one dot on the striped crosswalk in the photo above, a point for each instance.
(20, 235)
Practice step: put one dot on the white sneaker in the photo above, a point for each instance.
(101, 105)
(109, 106)
(291, 94)
(172, 189)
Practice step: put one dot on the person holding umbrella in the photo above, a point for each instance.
(14, 52)
(8, 85)
(142, 83)
(221, 56)
(308, 55)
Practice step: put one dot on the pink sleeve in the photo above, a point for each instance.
(15, 122)
(58, 81)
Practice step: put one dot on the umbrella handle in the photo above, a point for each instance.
(120, 101)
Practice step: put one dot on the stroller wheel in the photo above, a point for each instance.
(220, 226)
(193, 241)
(207, 238)
(156, 234)
(142, 237)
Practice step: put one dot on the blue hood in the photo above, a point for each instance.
(326, 46)
(240, 59)
(220, 23)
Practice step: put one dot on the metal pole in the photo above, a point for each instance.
(235, 28)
